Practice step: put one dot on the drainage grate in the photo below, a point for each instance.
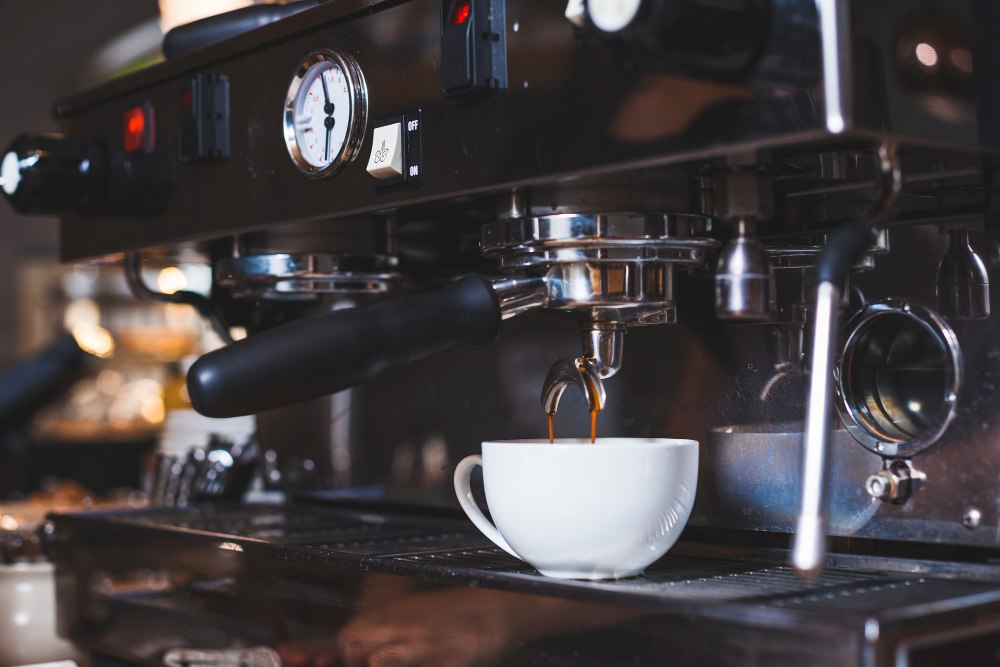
(470, 561)
(448, 548)
(390, 544)
(875, 598)
(675, 577)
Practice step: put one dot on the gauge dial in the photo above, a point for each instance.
(325, 113)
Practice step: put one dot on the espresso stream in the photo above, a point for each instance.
(593, 427)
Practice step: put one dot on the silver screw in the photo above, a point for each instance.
(878, 486)
(971, 518)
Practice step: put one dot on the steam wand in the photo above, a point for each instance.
(846, 244)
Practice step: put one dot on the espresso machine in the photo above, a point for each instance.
(766, 225)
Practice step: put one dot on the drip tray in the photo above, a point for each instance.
(861, 605)
(454, 551)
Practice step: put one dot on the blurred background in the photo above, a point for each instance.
(75, 426)
(93, 410)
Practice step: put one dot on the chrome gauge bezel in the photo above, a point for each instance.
(357, 114)
(859, 422)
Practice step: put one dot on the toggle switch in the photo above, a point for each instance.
(386, 159)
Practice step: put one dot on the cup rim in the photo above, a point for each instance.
(599, 445)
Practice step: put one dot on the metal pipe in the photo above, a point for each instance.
(139, 289)
(809, 543)
(835, 40)
(581, 373)
(603, 345)
(519, 294)
(809, 546)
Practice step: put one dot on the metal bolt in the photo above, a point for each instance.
(971, 518)
(879, 486)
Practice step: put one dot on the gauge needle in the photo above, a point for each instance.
(329, 134)
(328, 106)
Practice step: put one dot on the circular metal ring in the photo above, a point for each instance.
(282, 275)
(642, 234)
(357, 114)
(900, 377)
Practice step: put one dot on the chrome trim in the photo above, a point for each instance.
(860, 422)
(809, 545)
(139, 289)
(282, 274)
(358, 113)
(581, 373)
(835, 41)
(616, 236)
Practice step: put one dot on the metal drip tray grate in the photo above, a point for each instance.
(677, 577)
(685, 579)
(348, 532)
(402, 543)
(878, 597)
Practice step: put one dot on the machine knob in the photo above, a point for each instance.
(54, 174)
(718, 38)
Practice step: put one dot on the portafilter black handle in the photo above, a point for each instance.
(321, 355)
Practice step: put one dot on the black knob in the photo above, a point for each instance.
(42, 173)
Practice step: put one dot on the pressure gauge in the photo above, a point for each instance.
(325, 113)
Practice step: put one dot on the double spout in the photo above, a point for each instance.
(602, 355)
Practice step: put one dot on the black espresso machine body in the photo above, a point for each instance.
(612, 169)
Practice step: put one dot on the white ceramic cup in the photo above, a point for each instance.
(580, 510)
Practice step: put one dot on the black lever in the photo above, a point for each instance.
(32, 383)
(321, 355)
(197, 35)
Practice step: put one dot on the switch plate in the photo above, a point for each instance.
(386, 159)
(411, 125)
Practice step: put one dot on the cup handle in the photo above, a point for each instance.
(463, 489)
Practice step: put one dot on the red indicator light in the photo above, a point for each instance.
(135, 130)
(186, 99)
(460, 12)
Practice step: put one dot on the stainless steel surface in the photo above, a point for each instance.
(963, 285)
(311, 581)
(602, 181)
(900, 377)
(895, 483)
(835, 40)
(572, 237)
(519, 294)
(665, 153)
(602, 358)
(527, 135)
(755, 471)
(609, 291)
(581, 373)
(284, 275)
(603, 344)
(743, 282)
(809, 546)
(356, 92)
